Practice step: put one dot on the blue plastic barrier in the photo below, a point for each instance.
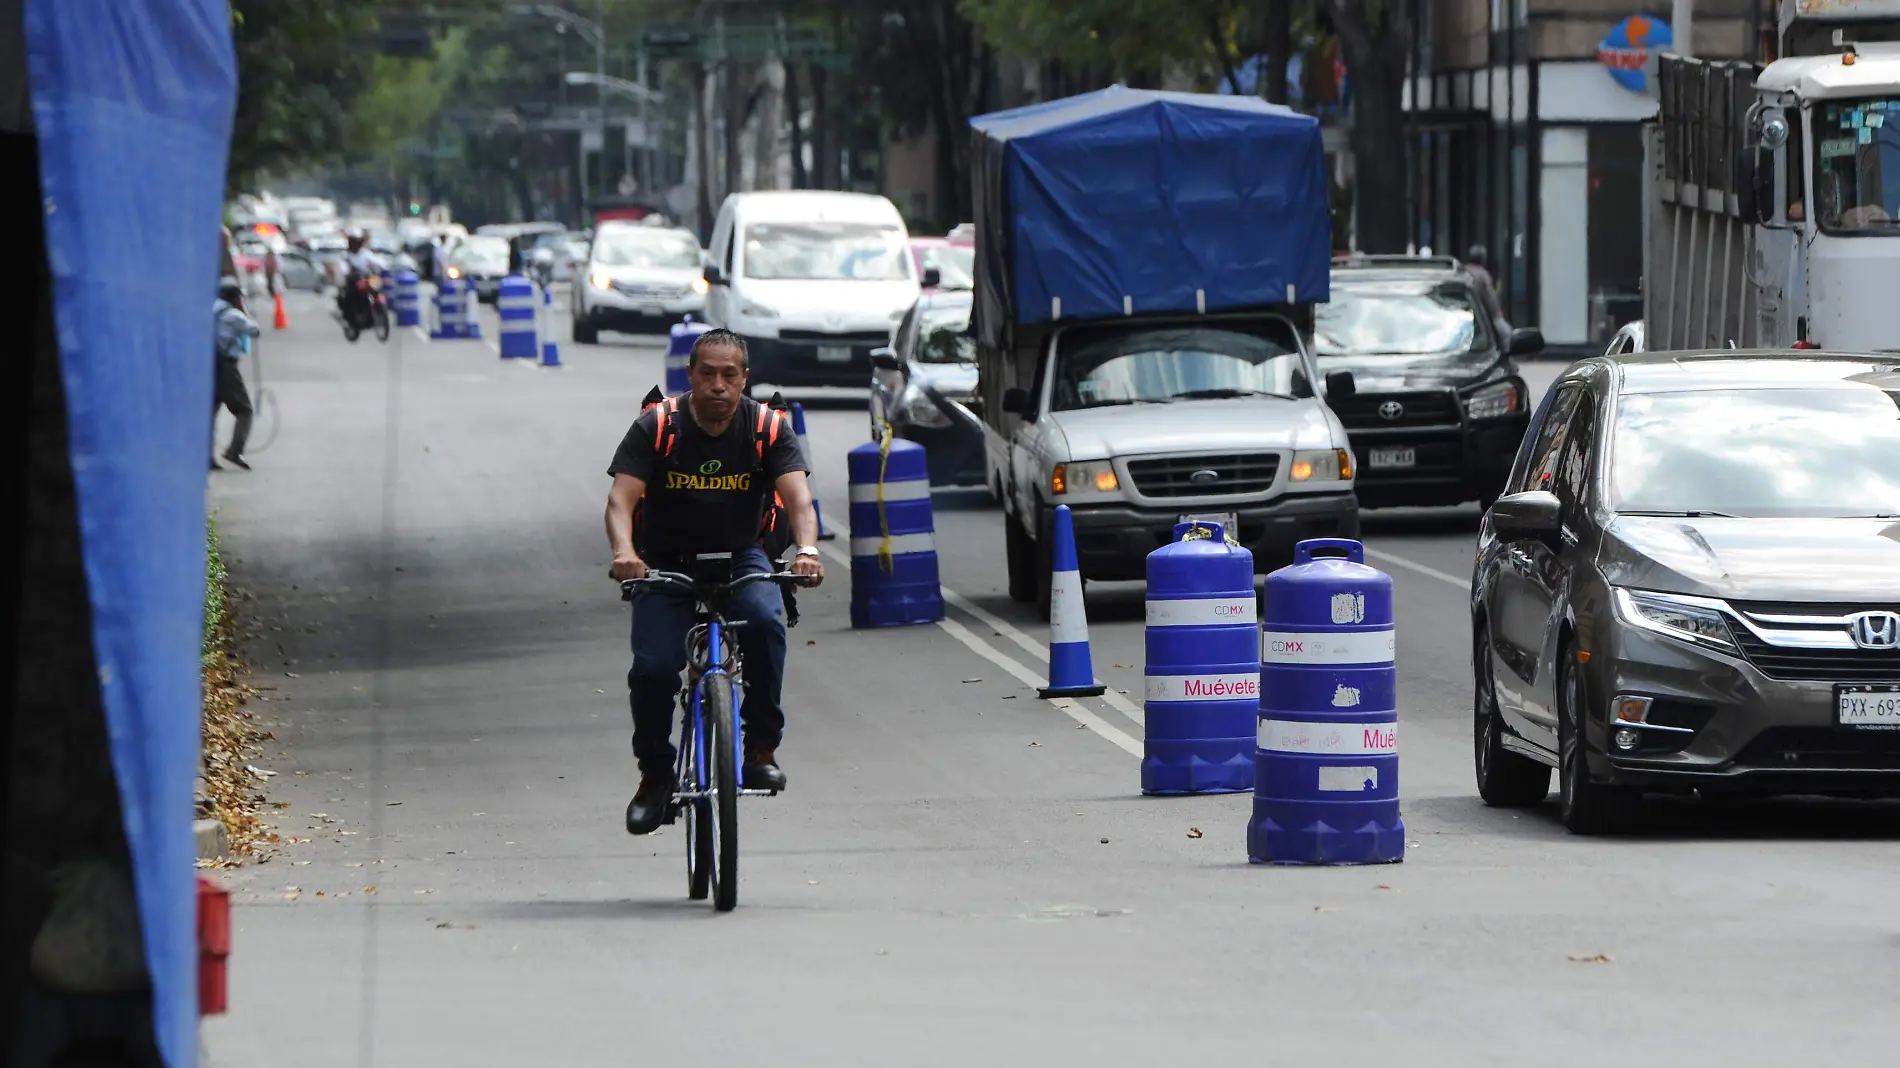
(1326, 786)
(804, 449)
(550, 349)
(450, 311)
(893, 541)
(408, 297)
(1203, 668)
(1071, 668)
(471, 310)
(515, 306)
(679, 346)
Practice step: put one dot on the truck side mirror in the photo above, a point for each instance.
(714, 277)
(1524, 341)
(1339, 384)
(932, 278)
(885, 359)
(1016, 401)
(1757, 194)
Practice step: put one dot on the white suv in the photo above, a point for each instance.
(638, 278)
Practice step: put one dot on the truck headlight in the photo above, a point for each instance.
(600, 281)
(752, 310)
(700, 285)
(920, 408)
(1320, 465)
(1494, 402)
(1082, 479)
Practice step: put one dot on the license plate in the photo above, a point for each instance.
(1229, 523)
(1392, 457)
(653, 311)
(834, 354)
(1872, 707)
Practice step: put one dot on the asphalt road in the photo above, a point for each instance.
(959, 873)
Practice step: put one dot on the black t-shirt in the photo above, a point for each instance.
(709, 494)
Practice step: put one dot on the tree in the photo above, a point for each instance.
(300, 66)
(1137, 41)
(1375, 36)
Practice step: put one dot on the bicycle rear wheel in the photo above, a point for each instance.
(699, 827)
(723, 761)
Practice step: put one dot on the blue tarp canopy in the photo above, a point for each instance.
(132, 103)
(1128, 200)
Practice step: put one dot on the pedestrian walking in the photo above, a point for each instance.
(234, 332)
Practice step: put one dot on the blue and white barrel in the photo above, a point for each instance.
(408, 298)
(679, 348)
(471, 310)
(1203, 667)
(1326, 779)
(515, 306)
(450, 310)
(804, 449)
(550, 349)
(386, 278)
(893, 541)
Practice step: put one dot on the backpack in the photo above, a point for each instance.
(775, 525)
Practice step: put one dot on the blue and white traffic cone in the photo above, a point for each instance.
(804, 449)
(550, 349)
(1071, 670)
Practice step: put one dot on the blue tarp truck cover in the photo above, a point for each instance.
(132, 103)
(1126, 201)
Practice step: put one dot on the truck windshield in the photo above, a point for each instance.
(1100, 366)
(826, 251)
(1857, 166)
(1399, 318)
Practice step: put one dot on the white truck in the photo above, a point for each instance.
(1774, 209)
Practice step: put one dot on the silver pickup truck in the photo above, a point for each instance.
(1136, 424)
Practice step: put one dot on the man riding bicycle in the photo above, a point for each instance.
(702, 471)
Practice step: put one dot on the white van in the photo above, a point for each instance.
(812, 280)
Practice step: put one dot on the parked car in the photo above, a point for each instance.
(923, 388)
(1439, 407)
(941, 264)
(483, 260)
(300, 271)
(1693, 583)
(813, 280)
(639, 278)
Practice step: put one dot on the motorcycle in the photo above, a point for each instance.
(369, 312)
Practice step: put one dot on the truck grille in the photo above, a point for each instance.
(1840, 661)
(1234, 474)
(651, 292)
(1361, 411)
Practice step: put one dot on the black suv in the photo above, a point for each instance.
(1437, 408)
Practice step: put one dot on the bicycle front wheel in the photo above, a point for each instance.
(722, 761)
(699, 827)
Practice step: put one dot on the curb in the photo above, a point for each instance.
(212, 840)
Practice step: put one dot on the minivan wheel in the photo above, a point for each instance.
(1505, 779)
(1585, 806)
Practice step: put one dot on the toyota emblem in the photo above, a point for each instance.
(1391, 410)
(1875, 630)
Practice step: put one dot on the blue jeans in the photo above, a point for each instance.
(661, 619)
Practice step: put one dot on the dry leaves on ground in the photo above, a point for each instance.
(232, 741)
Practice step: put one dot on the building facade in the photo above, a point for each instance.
(1525, 121)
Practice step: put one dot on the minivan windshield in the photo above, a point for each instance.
(826, 251)
(1101, 366)
(653, 248)
(1831, 452)
(1399, 318)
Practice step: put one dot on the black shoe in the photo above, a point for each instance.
(761, 770)
(647, 811)
(216, 466)
(238, 460)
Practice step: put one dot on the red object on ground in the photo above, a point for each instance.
(214, 945)
(1804, 343)
(280, 320)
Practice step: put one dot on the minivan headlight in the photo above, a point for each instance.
(1494, 402)
(1696, 620)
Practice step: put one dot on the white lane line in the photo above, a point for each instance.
(1068, 707)
(1022, 672)
(420, 332)
(1411, 565)
(1002, 626)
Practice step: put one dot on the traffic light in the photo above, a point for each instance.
(415, 207)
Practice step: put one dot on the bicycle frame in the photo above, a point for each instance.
(710, 660)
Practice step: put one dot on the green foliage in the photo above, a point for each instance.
(1135, 40)
(300, 67)
(215, 576)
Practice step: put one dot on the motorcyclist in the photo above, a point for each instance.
(362, 263)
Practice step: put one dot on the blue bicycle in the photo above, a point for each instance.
(709, 759)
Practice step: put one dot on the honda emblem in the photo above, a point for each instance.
(1875, 630)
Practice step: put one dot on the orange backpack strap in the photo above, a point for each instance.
(663, 432)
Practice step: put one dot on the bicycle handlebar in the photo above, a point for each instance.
(655, 579)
